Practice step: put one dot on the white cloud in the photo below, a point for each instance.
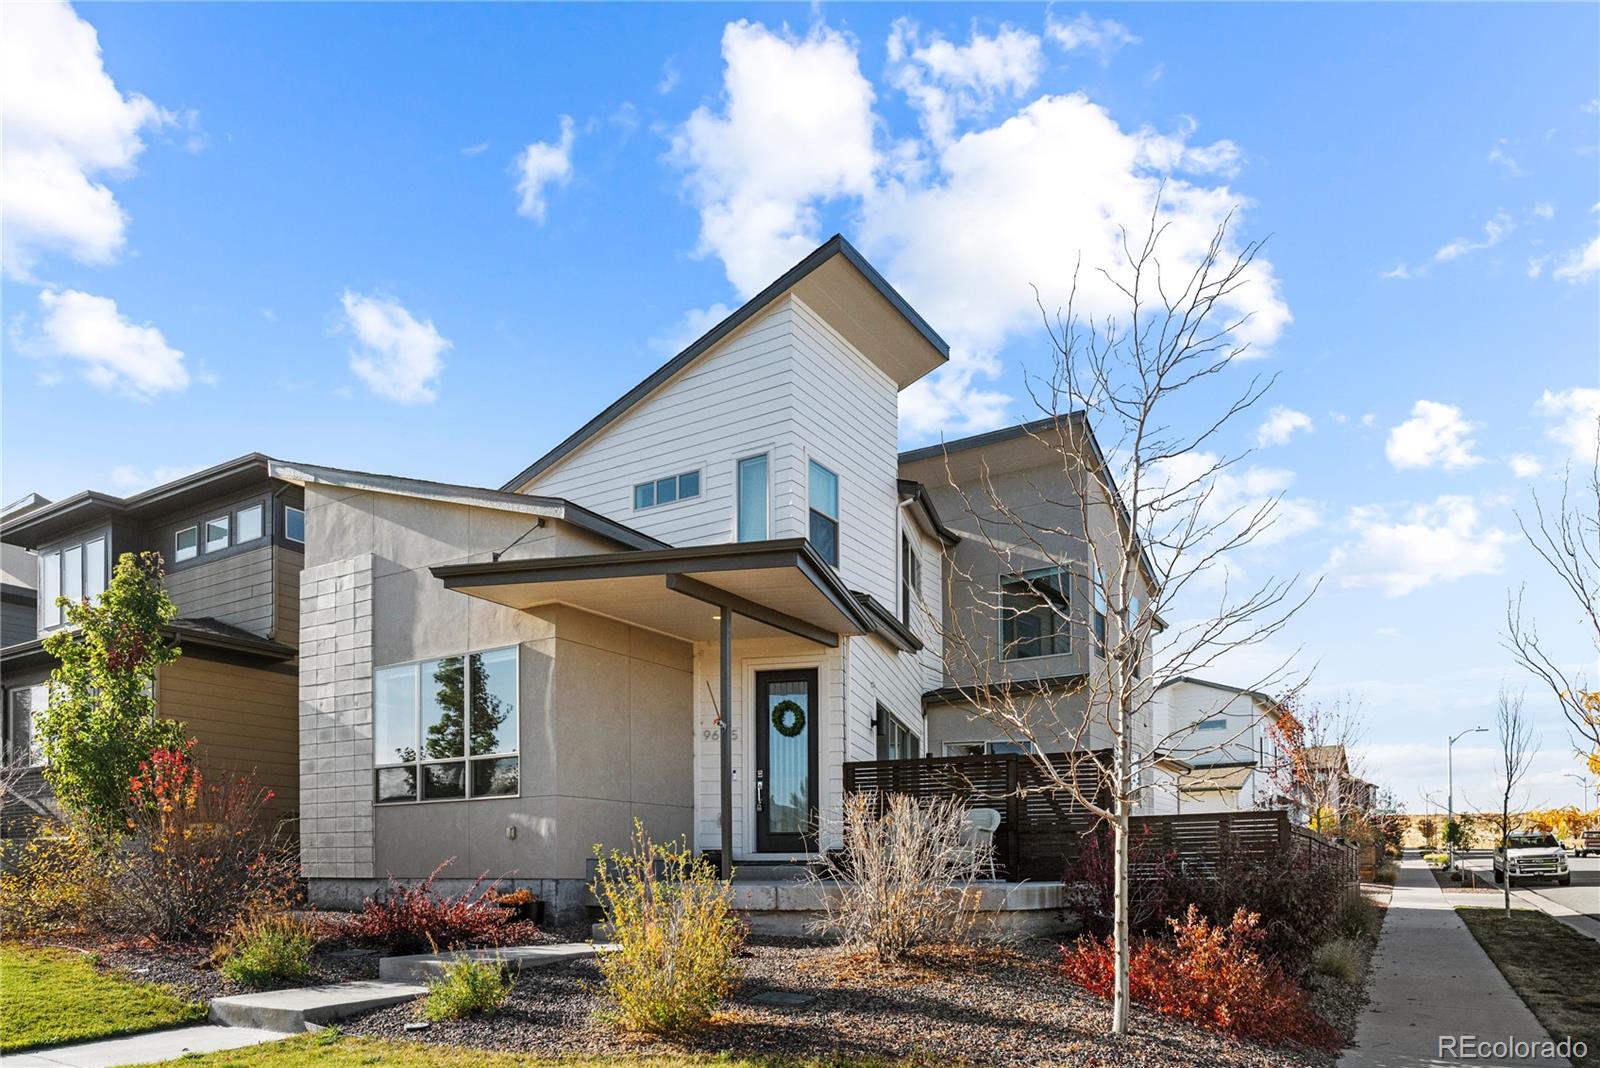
(1493, 231)
(67, 128)
(1543, 209)
(476, 150)
(1281, 425)
(540, 166)
(400, 358)
(1089, 34)
(1439, 542)
(795, 129)
(1235, 497)
(1435, 435)
(1580, 264)
(112, 352)
(1507, 163)
(1399, 270)
(689, 329)
(964, 229)
(947, 82)
(670, 76)
(1574, 414)
(1525, 466)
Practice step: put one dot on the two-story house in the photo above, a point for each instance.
(1222, 735)
(503, 678)
(232, 538)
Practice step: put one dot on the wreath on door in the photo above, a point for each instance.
(788, 718)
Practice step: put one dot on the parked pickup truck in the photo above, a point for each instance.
(1531, 855)
(1588, 843)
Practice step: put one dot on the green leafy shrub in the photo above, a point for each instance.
(101, 721)
(1340, 958)
(1439, 859)
(267, 950)
(677, 938)
(1356, 916)
(468, 987)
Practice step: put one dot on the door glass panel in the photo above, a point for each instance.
(788, 757)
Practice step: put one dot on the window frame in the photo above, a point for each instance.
(194, 550)
(36, 758)
(910, 575)
(654, 486)
(1217, 722)
(1061, 639)
(1098, 621)
(813, 513)
(739, 511)
(301, 540)
(260, 509)
(987, 745)
(90, 553)
(889, 728)
(226, 520)
(467, 758)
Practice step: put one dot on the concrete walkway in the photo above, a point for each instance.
(148, 1048)
(1430, 980)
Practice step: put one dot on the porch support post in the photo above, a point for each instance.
(726, 654)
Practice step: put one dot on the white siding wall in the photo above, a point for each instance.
(736, 401)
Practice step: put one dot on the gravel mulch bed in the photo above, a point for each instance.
(998, 1007)
(1341, 1003)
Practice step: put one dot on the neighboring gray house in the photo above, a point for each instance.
(232, 539)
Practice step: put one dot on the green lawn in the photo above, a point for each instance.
(50, 996)
(330, 1049)
(1553, 968)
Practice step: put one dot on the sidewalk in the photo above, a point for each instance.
(1431, 979)
(147, 1048)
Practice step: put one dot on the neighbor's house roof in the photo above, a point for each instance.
(1224, 687)
(195, 630)
(1327, 757)
(1215, 779)
(978, 692)
(835, 280)
(915, 493)
(46, 521)
(474, 496)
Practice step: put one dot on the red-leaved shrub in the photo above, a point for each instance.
(1209, 975)
(413, 918)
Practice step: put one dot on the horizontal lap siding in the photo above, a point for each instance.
(236, 590)
(286, 567)
(245, 718)
(733, 403)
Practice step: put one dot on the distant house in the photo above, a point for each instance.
(1221, 736)
(233, 539)
(1331, 784)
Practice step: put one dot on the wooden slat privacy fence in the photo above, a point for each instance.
(1042, 830)
(1039, 829)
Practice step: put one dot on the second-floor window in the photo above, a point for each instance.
(74, 572)
(753, 498)
(910, 577)
(186, 544)
(1099, 612)
(666, 490)
(217, 531)
(1215, 723)
(294, 524)
(1033, 614)
(824, 530)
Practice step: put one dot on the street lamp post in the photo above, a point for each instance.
(1583, 787)
(1450, 794)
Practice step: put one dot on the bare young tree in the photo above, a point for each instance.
(1319, 742)
(1127, 533)
(1567, 539)
(1517, 749)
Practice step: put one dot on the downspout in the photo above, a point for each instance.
(725, 653)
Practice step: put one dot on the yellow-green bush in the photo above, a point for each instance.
(1340, 958)
(677, 939)
(467, 988)
(1437, 858)
(54, 881)
(268, 949)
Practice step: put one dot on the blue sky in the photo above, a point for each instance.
(435, 239)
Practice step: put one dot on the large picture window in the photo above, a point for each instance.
(824, 531)
(446, 729)
(1033, 614)
(75, 572)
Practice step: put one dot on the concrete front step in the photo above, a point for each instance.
(148, 1048)
(289, 1011)
(424, 966)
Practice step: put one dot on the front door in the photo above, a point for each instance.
(786, 760)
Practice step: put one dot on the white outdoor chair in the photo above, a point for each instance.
(977, 834)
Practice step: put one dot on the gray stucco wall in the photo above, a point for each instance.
(605, 709)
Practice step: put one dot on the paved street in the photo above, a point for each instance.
(1582, 896)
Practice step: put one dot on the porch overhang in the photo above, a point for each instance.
(770, 587)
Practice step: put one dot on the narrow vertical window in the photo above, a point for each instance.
(910, 577)
(94, 568)
(753, 498)
(72, 574)
(186, 544)
(294, 524)
(247, 523)
(217, 533)
(50, 586)
(1099, 611)
(824, 496)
